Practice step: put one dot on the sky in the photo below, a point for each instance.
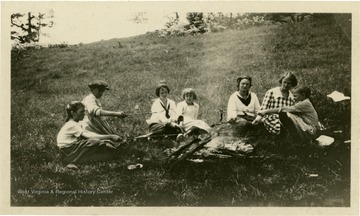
(86, 22)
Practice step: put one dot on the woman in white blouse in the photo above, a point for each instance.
(164, 117)
(243, 105)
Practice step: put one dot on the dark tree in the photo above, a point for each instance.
(196, 20)
(286, 17)
(29, 29)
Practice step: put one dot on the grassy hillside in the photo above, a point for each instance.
(44, 80)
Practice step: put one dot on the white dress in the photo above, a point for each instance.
(190, 114)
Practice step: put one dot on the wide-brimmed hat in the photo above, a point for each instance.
(99, 84)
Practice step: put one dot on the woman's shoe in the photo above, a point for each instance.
(180, 137)
(72, 166)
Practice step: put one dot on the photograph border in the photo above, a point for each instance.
(243, 6)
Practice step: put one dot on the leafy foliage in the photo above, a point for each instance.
(29, 29)
(200, 23)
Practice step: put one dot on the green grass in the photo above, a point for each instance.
(44, 80)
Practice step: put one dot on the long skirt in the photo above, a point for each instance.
(298, 129)
(98, 124)
(272, 123)
(243, 126)
(196, 124)
(97, 150)
(163, 129)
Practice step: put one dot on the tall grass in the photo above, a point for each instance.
(44, 80)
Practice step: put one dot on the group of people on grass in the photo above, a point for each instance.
(87, 136)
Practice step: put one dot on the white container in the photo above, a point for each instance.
(324, 141)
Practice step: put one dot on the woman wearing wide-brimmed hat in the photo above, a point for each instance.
(275, 98)
(94, 120)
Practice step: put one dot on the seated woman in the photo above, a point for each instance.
(243, 105)
(94, 120)
(188, 111)
(163, 120)
(80, 146)
(276, 98)
(301, 119)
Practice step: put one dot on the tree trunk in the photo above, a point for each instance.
(29, 24)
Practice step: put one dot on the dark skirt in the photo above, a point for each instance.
(243, 126)
(295, 131)
(163, 129)
(96, 151)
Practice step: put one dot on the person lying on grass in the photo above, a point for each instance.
(80, 146)
(188, 111)
(94, 121)
(243, 105)
(301, 119)
(276, 98)
(163, 120)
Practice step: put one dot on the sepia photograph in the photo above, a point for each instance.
(179, 108)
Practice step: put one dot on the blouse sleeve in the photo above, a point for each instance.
(75, 130)
(92, 106)
(303, 106)
(231, 108)
(266, 101)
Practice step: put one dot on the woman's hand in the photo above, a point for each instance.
(115, 138)
(121, 114)
(231, 120)
(174, 125)
(247, 110)
(262, 112)
(257, 120)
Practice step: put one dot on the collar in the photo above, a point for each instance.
(277, 93)
(93, 96)
(238, 94)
